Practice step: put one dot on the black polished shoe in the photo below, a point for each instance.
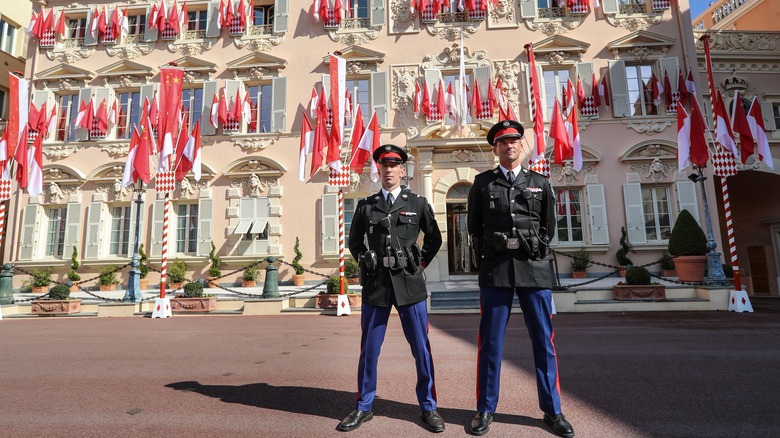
(559, 425)
(354, 420)
(433, 421)
(481, 423)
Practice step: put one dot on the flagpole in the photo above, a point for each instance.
(164, 260)
(341, 242)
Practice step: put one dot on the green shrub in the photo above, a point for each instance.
(107, 276)
(296, 263)
(580, 260)
(59, 292)
(667, 262)
(142, 259)
(687, 237)
(74, 266)
(193, 289)
(41, 277)
(351, 269)
(638, 275)
(622, 253)
(728, 270)
(334, 285)
(215, 262)
(250, 273)
(177, 271)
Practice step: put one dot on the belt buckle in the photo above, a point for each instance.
(512, 243)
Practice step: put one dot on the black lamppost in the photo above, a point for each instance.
(715, 275)
(133, 292)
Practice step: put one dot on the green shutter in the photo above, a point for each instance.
(619, 89)
(150, 34)
(205, 222)
(330, 223)
(155, 246)
(379, 96)
(281, 17)
(377, 14)
(635, 216)
(89, 40)
(209, 90)
(94, 216)
(597, 212)
(528, 8)
(72, 227)
(133, 218)
(686, 198)
(610, 6)
(85, 95)
(27, 241)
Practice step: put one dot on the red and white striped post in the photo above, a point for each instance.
(5, 195)
(730, 232)
(164, 260)
(2, 221)
(164, 182)
(341, 242)
(340, 178)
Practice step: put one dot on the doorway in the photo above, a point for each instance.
(458, 239)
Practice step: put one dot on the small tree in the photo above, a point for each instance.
(638, 276)
(580, 260)
(74, 266)
(193, 289)
(250, 272)
(296, 263)
(667, 262)
(107, 276)
(351, 269)
(687, 237)
(41, 277)
(59, 292)
(142, 259)
(177, 271)
(334, 285)
(622, 253)
(215, 262)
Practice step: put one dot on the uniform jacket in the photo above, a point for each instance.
(409, 215)
(521, 209)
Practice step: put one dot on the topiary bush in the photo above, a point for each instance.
(193, 290)
(667, 262)
(177, 271)
(215, 262)
(59, 292)
(142, 259)
(334, 285)
(250, 273)
(622, 254)
(351, 269)
(74, 266)
(638, 275)
(687, 237)
(41, 277)
(580, 260)
(296, 263)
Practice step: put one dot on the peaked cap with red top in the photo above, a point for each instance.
(390, 153)
(504, 129)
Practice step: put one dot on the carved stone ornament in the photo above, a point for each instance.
(116, 150)
(69, 56)
(255, 185)
(566, 173)
(117, 190)
(450, 57)
(401, 16)
(186, 189)
(735, 41)
(59, 151)
(640, 53)
(509, 71)
(634, 22)
(192, 77)
(451, 32)
(649, 127)
(130, 51)
(255, 144)
(403, 97)
(66, 84)
(462, 156)
(354, 37)
(255, 44)
(191, 48)
(504, 13)
(54, 193)
(656, 170)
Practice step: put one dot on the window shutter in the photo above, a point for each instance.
(686, 198)
(94, 216)
(133, 218)
(669, 67)
(155, 245)
(597, 210)
(246, 213)
(767, 111)
(89, 40)
(619, 89)
(100, 94)
(585, 71)
(85, 94)
(635, 216)
(39, 98)
(379, 96)
(325, 84)
(72, 225)
(231, 86)
(377, 16)
(610, 6)
(209, 90)
(278, 104)
(330, 224)
(528, 8)
(27, 245)
(482, 74)
(205, 212)
(147, 92)
(281, 18)
(150, 34)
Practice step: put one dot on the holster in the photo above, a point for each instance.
(476, 250)
(367, 262)
(413, 257)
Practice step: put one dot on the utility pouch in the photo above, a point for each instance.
(499, 242)
(524, 245)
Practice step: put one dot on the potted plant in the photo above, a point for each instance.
(689, 245)
(638, 286)
(176, 274)
(351, 271)
(622, 253)
(328, 299)
(249, 277)
(41, 279)
(213, 273)
(298, 276)
(107, 279)
(72, 274)
(667, 265)
(142, 268)
(193, 299)
(58, 303)
(579, 263)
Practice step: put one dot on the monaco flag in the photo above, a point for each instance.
(369, 142)
(756, 122)
(561, 147)
(188, 152)
(683, 137)
(35, 160)
(723, 133)
(18, 110)
(741, 126)
(307, 145)
(699, 152)
(573, 132)
(214, 111)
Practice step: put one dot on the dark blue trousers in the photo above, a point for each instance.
(496, 307)
(373, 322)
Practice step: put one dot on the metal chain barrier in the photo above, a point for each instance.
(75, 283)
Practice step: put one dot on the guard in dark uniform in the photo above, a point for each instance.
(511, 219)
(392, 275)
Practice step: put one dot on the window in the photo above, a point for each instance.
(192, 104)
(569, 213)
(253, 226)
(69, 109)
(136, 24)
(263, 15)
(657, 207)
(187, 228)
(554, 82)
(129, 114)
(77, 28)
(358, 89)
(260, 102)
(640, 93)
(7, 34)
(454, 79)
(359, 9)
(55, 235)
(196, 21)
(120, 230)
(349, 212)
(775, 113)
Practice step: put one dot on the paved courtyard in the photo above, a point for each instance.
(673, 374)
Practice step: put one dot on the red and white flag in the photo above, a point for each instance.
(580, 93)
(338, 14)
(60, 28)
(34, 24)
(214, 113)
(537, 109)
(124, 24)
(656, 89)
(705, 39)
(426, 101)
(491, 97)
(338, 87)
(137, 164)
(222, 110)
(112, 113)
(18, 111)
(21, 157)
(87, 118)
(171, 81)
(94, 24)
(561, 147)
(102, 117)
(115, 23)
(102, 23)
(699, 152)
(235, 109)
(723, 133)
(154, 16)
(417, 99)
(500, 94)
(573, 131)
(173, 18)
(320, 133)
(681, 87)
(313, 103)
(667, 89)
(307, 145)
(690, 85)
(567, 101)
(441, 102)
(246, 108)
(221, 12)
(594, 91)
(348, 108)
(449, 102)
(368, 143)
(358, 127)
(757, 130)
(183, 16)
(683, 137)
(741, 126)
(604, 91)
(35, 160)
(52, 120)
(48, 23)
(315, 11)
(162, 17)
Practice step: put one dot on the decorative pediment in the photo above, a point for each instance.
(653, 161)
(450, 57)
(190, 63)
(62, 174)
(257, 65)
(558, 48)
(566, 174)
(66, 75)
(108, 172)
(126, 73)
(263, 167)
(359, 59)
(650, 150)
(642, 40)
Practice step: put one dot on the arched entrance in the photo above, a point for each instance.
(458, 239)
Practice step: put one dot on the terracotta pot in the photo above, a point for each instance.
(213, 281)
(651, 292)
(330, 301)
(298, 280)
(622, 271)
(353, 280)
(73, 288)
(691, 268)
(107, 287)
(668, 273)
(174, 286)
(579, 274)
(143, 283)
(204, 304)
(55, 307)
(40, 289)
(248, 283)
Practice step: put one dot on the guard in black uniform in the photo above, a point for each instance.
(392, 275)
(511, 219)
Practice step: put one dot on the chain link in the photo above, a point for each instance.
(75, 283)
